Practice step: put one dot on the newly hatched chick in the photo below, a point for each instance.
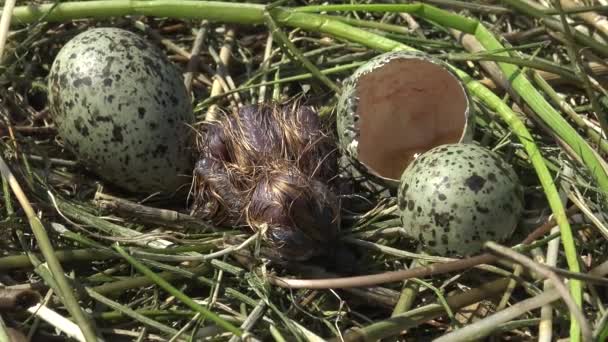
(270, 165)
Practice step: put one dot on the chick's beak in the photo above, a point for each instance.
(317, 213)
(293, 244)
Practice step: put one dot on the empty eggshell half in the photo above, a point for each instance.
(396, 106)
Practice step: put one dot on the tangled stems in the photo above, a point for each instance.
(243, 13)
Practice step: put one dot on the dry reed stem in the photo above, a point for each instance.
(600, 22)
(5, 23)
(486, 326)
(545, 328)
(58, 321)
(264, 66)
(549, 274)
(216, 88)
(471, 44)
(194, 61)
(147, 213)
(417, 272)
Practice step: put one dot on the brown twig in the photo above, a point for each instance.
(593, 68)
(418, 272)
(407, 320)
(171, 47)
(486, 326)
(45, 130)
(549, 274)
(377, 296)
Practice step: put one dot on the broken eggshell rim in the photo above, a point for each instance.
(347, 106)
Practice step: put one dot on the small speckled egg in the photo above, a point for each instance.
(395, 106)
(122, 108)
(455, 197)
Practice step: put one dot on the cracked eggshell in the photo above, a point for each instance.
(394, 107)
(122, 108)
(455, 197)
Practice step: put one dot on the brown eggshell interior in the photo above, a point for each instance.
(407, 106)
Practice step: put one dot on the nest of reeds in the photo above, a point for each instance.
(270, 167)
(140, 268)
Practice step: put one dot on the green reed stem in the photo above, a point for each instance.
(178, 294)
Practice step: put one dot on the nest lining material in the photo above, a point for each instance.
(405, 107)
(269, 165)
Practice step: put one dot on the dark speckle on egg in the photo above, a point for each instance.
(117, 134)
(81, 127)
(491, 177)
(410, 205)
(475, 182)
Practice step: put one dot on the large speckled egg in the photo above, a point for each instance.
(122, 108)
(394, 107)
(455, 197)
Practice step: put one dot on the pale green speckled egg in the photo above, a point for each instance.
(122, 108)
(455, 197)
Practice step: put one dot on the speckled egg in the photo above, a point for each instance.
(455, 197)
(395, 106)
(122, 108)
